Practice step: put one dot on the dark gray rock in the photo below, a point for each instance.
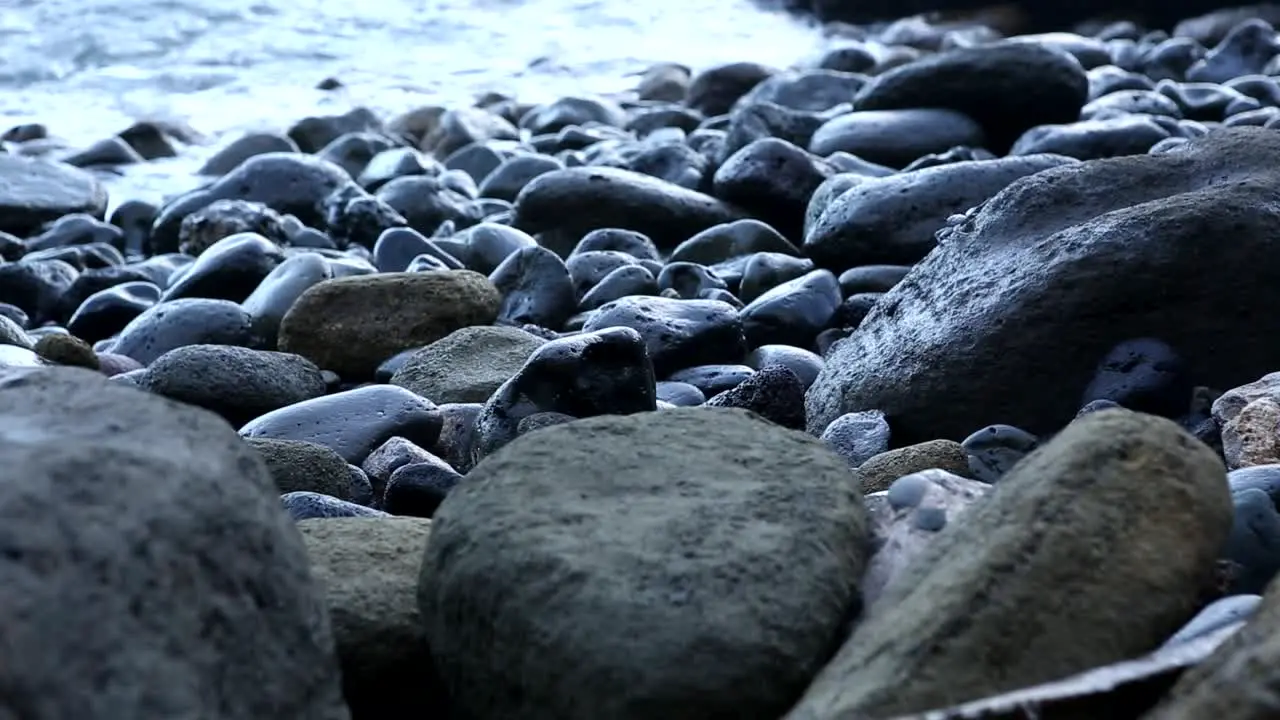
(178, 323)
(468, 365)
(34, 192)
(677, 333)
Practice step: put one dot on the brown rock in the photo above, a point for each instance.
(879, 472)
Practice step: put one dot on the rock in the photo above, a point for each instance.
(1245, 50)
(1233, 681)
(354, 423)
(36, 286)
(300, 466)
(11, 333)
(1215, 616)
(311, 134)
(1253, 548)
(767, 270)
(605, 372)
(871, 278)
(794, 312)
(392, 455)
(774, 178)
(858, 437)
(1247, 415)
(289, 183)
(879, 472)
(1144, 375)
(805, 364)
(66, 350)
(350, 325)
(178, 323)
(680, 394)
(468, 365)
(458, 436)
(731, 240)
(460, 127)
(576, 201)
(1093, 139)
(244, 147)
(536, 289)
(417, 489)
(976, 595)
(230, 269)
(106, 153)
(508, 179)
(427, 203)
(677, 333)
(896, 137)
(994, 450)
(222, 219)
(109, 311)
(105, 584)
(237, 383)
(894, 219)
(774, 392)
(368, 570)
(918, 506)
(271, 300)
(714, 90)
(630, 242)
(947, 349)
(1038, 86)
(720, 508)
(711, 380)
(310, 506)
(34, 192)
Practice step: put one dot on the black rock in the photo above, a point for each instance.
(1245, 50)
(732, 240)
(587, 269)
(804, 363)
(1144, 375)
(14, 313)
(302, 505)
(569, 111)
(607, 372)
(536, 289)
(630, 242)
(871, 278)
(680, 394)
(622, 282)
(288, 183)
(108, 152)
(689, 280)
(107, 312)
(80, 257)
(773, 392)
(1170, 59)
(489, 244)
(1253, 548)
(1257, 477)
(353, 151)
(392, 163)
(509, 178)
(794, 312)
(957, 154)
(278, 291)
(1094, 139)
(96, 280)
(715, 90)
(237, 383)
(775, 179)
(994, 450)
(36, 287)
(1109, 79)
(896, 137)
(1094, 406)
(244, 147)
(540, 420)
(313, 133)
(178, 323)
(677, 333)
(229, 270)
(416, 490)
(652, 119)
(426, 203)
(477, 160)
(711, 380)
(763, 120)
(458, 435)
(814, 90)
(765, 271)
(1008, 88)
(355, 422)
(77, 229)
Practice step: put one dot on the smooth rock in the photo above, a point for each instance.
(179, 323)
(677, 333)
(34, 192)
(468, 365)
(858, 437)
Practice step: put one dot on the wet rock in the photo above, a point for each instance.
(576, 201)
(794, 312)
(1117, 472)
(244, 147)
(602, 575)
(351, 324)
(288, 183)
(677, 333)
(774, 178)
(715, 90)
(896, 137)
(12, 333)
(230, 269)
(76, 229)
(773, 392)
(1245, 50)
(1253, 548)
(108, 152)
(893, 220)
(536, 289)
(85, 452)
(588, 269)
(957, 305)
(680, 394)
(311, 506)
(1039, 86)
(810, 89)
(871, 278)
(392, 455)
(689, 280)
(394, 162)
(280, 289)
(460, 127)
(354, 150)
(1206, 102)
(765, 271)
(368, 569)
(300, 466)
(664, 81)
(630, 242)
(918, 506)
(509, 178)
(354, 423)
(237, 383)
(731, 240)
(468, 365)
(311, 134)
(417, 489)
(1093, 139)
(858, 437)
(59, 349)
(222, 219)
(879, 472)
(36, 287)
(426, 203)
(179, 323)
(804, 363)
(108, 311)
(606, 372)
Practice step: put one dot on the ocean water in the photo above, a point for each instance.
(87, 68)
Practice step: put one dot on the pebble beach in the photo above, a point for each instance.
(590, 361)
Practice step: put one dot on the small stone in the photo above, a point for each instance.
(774, 392)
(309, 505)
(66, 350)
(879, 473)
(994, 450)
(858, 437)
(299, 466)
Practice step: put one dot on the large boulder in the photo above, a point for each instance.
(1095, 549)
(1006, 321)
(147, 568)
(688, 563)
